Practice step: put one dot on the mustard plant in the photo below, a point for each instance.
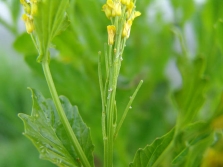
(56, 128)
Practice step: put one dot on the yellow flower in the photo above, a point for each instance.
(112, 9)
(117, 9)
(34, 8)
(127, 29)
(111, 34)
(26, 6)
(125, 2)
(28, 22)
(130, 8)
(107, 10)
(110, 3)
(136, 14)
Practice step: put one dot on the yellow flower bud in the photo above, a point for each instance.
(110, 3)
(130, 8)
(127, 29)
(117, 9)
(34, 9)
(28, 22)
(26, 6)
(107, 10)
(125, 2)
(112, 9)
(111, 34)
(136, 14)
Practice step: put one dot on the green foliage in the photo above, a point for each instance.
(192, 101)
(45, 130)
(149, 155)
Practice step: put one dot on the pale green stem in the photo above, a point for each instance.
(127, 108)
(109, 113)
(62, 115)
(102, 95)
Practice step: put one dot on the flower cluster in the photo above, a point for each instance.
(125, 11)
(31, 9)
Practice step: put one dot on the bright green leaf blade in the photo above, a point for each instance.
(150, 154)
(47, 133)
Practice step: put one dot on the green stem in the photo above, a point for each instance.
(62, 115)
(108, 154)
(127, 108)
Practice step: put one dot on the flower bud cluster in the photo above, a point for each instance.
(31, 9)
(123, 9)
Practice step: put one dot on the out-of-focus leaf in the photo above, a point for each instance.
(219, 33)
(196, 151)
(185, 7)
(24, 45)
(47, 133)
(190, 97)
(15, 9)
(190, 138)
(148, 156)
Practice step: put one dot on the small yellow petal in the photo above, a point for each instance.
(125, 2)
(111, 34)
(110, 3)
(127, 29)
(28, 22)
(107, 10)
(117, 9)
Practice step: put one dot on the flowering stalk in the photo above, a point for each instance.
(121, 13)
(44, 20)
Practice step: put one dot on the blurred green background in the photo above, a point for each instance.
(150, 55)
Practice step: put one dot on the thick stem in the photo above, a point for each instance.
(62, 115)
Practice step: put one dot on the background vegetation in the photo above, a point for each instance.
(151, 55)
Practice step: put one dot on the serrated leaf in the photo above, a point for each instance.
(149, 155)
(47, 133)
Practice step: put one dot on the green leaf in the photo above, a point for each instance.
(196, 151)
(148, 156)
(47, 133)
(219, 33)
(23, 44)
(189, 140)
(190, 98)
(48, 19)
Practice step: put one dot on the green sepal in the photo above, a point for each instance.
(47, 133)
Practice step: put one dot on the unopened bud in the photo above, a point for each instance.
(111, 34)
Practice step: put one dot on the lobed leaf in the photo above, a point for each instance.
(47, 133)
